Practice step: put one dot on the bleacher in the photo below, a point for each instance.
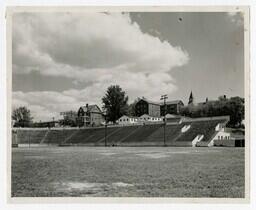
(135, 135)
(206, 128)
(57, 136)
(140, 135)
(30, 136)
(116, 138)
(171, 133)
(90, 136)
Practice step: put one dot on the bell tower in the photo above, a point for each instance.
(191, 99)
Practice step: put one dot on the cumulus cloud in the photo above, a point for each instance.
(94, 48)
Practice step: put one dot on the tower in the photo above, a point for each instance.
(191, 98)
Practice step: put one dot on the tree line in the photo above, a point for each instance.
(233, 107)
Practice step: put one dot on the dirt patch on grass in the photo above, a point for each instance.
(34, 157)
(122, 184)
(108, 153)
(154, 155)
(70, 186)
(157, 155)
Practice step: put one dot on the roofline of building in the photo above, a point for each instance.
(172, 102)
(149, 101)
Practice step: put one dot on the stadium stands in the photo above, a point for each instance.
(121, 134)
(206, 128)
(57, 136)
(30, 136)
(172, 132)
(139, 136)
(134, 135)
(90, 136)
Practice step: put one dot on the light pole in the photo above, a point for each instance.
(164, 97)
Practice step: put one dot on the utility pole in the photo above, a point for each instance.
(105, 136)
(164, 97)
(29, 140)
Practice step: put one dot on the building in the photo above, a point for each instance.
(126, 120)
(90, 115)
(172, 107)
(191, 99)
(148, 118)
(144, 106)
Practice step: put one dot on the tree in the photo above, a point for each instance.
(131, 108)
(234, 107)
(115, 103)
(68, 122)
(22, 117)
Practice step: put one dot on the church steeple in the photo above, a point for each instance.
(191, 98)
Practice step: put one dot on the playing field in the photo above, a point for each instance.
(128, 171)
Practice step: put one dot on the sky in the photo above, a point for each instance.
(61, 61)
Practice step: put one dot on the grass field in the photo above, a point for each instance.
(128, 171)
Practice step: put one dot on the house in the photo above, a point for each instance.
(171, 107)
(148, 118)
(90, 115)
(126, 120)
(145, 106)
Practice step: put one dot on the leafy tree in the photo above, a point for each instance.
(131, 108)
(22, 117)
(236, 111)
(68, 122)
(115, 103)
(234, 107)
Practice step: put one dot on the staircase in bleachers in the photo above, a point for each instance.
(206, 128)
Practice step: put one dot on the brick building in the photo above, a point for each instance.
(172, 107)
(144, 106)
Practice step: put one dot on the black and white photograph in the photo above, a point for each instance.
(129, 103)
